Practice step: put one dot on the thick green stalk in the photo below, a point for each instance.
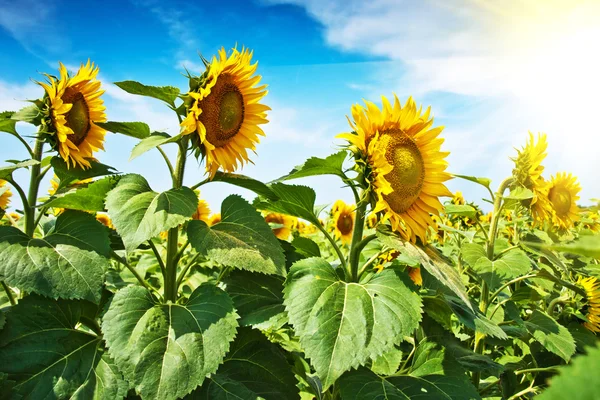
(170, 289)
(485, 290)
(34, 184)
(357, 236)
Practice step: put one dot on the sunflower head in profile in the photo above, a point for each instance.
(563, 197)
(74, 105)
(371, 220)
(281, 224)
(404, 164)
(458, 199)
(343, 221)
(202, 212)
(5, 195)
(105, 220)
(224, 112)
(528, 174)
(592, 294)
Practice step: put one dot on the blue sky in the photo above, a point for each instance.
(490, 75)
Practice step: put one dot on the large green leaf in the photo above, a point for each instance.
(296, 200)
(586, 245)
(253, 369)
(167, 350)
(149, 143)
(7, 124)
(137, 130)
(485, 182)
(138, 213)
(257, 297)
(245, 182)
(342, 325)
(331, 165)
(552, 335)
(68, 175)
(90, 198)
(461, 210)
(388, 362)
(6, 172)
(168, 94)
(48, 358)
(433, 359)
(474, 319)
(241, 240)
(472, 252)
(68, 263)
(364, 384)
(430, 259)
(578, 381)
(509, 265)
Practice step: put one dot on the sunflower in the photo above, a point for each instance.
(225, 111)
(486, 218)
(371, 220)
(343, 221)
(105, 220)
(562, 194)
(406, 168)
(5, 194)
(528, 173)
(590, 220)
(284, 224)
(415, 275)
(74, 107)
(202, 211)
(592, 290)
(15, 217)
(214, 219)
(458, 198)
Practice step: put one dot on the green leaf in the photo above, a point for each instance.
(30, 114)
(137, 130)
(168, 94)
(6, 172)
(553, 336)
(49, 358)
(519, 193)
(149, 143)
(167, 350)
(241, 240)
(585, 245)
(388, 362)
(257, 298)
(68, 263)
(68, 175)
(433, 359)
(430, 259)
(245, 182)
(510, 265)
(341, 325)
(475, 320)
(7, 124)
(253, 369)
(364, 384)
(90, 198)
(332, 165)
(482, 181)
(472, 252)
(138, 213)
(461, 210)
(577, 381)
(306, 247)
(295, 200)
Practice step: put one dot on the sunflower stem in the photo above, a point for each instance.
(34, 184)
(9, 293)
(170, 289)
(485, 290)
(357, 240)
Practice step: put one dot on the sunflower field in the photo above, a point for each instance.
(112, 290)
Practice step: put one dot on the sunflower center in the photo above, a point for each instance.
(78, 117)
(345, 224)
(561, 201)
(409, 171)
(223, 111)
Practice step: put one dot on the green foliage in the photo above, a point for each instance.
(155, 344)
(553, 336)
(342, 325)
(90, 198)
(295, 200)
(168, 94)
(509, 265)
(68, 175)
(149, 142)
(6, 172)
(139, 213)
(68, 263)
(331, 165)
(138, 130)
(241, 240)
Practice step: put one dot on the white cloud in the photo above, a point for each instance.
(539, 58)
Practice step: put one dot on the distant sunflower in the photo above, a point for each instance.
(485, 218)
(202, 211)
(590, 220)
(458, 198)
(371, 220)
(528, 173)
(415, 275)
(225, 112)
(592, 290)
(283, 224)
(563, 197)
(105, 220)
(407, 166)
(5, 195)
(343, 221)
(214, 219)
(75, 105)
